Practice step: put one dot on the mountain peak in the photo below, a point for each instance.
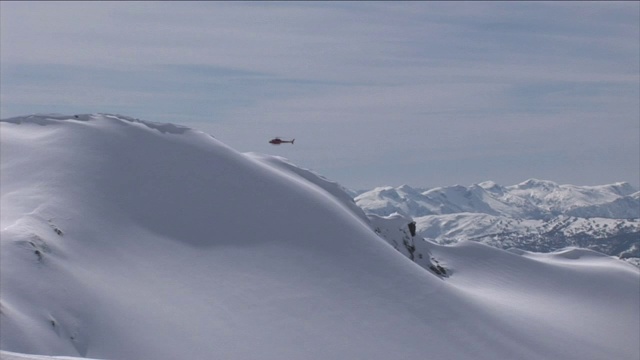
(491, 186)
(623, 188)
(536, 183)
(408, 190)
(488, 184)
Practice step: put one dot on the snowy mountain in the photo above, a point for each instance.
(128, 239)
(532, 199)
(535, 215)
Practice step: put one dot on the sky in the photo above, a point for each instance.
(375, 93)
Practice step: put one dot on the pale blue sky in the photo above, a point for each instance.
(375, 93)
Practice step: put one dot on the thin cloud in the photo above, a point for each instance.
(425, 82)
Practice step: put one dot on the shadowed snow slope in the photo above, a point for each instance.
(124, 239)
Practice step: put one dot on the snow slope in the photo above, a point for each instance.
(128, 239)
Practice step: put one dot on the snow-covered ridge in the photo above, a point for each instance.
(125, 239)
(50, 119)
(8, 355)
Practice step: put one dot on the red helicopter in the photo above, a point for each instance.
(278, 141)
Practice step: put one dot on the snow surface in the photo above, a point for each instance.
(127, 239)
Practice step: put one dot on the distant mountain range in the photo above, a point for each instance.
(535, 215)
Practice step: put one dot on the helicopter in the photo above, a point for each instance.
(278, 141)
